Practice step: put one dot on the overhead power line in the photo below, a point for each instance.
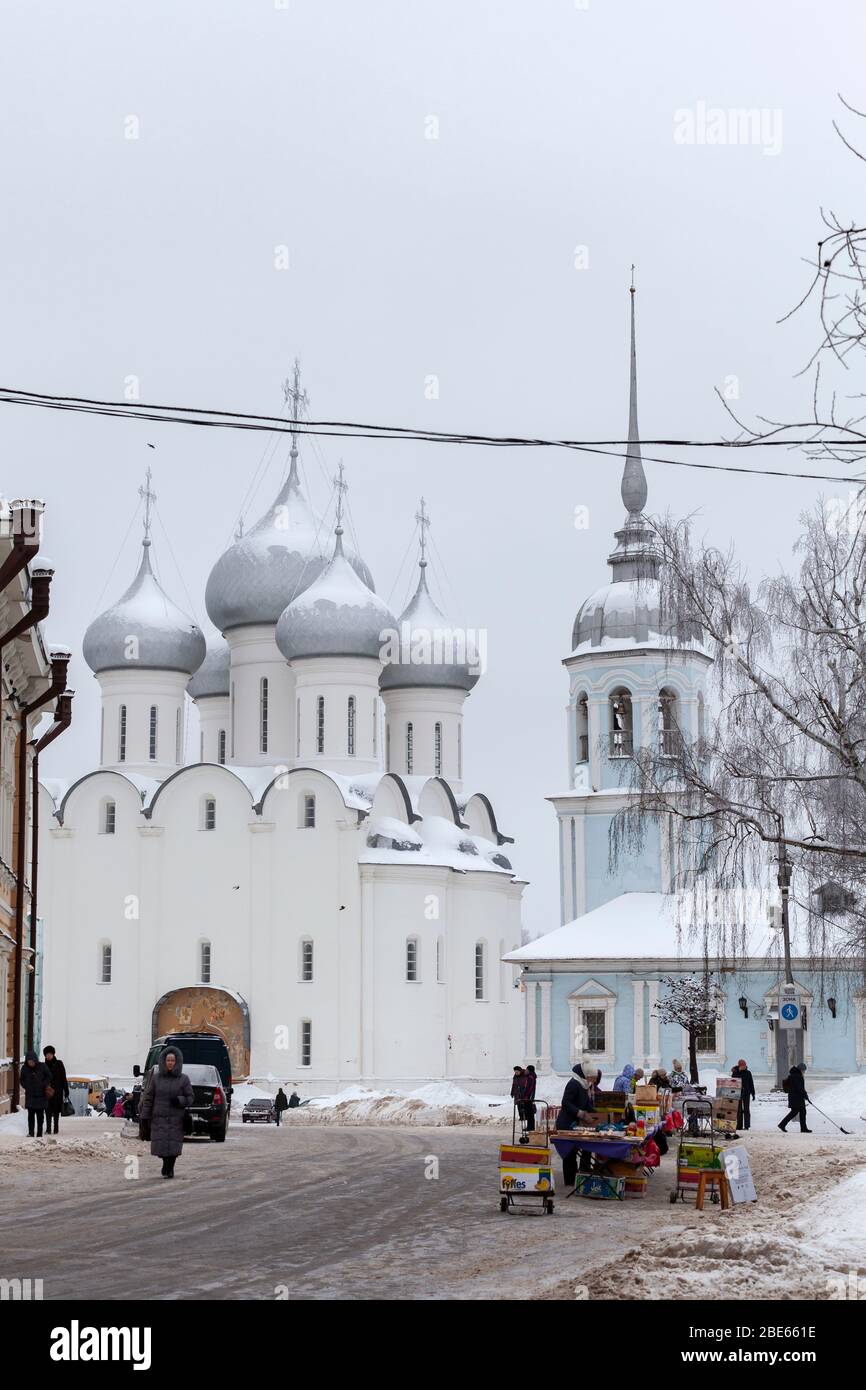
(609, 448)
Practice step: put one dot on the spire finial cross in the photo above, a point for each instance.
(631, 290)
(423, 521)
(297, 398)
(149, 496)
(342, 488)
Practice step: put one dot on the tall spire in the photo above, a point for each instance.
(423, 521)
(633, 488)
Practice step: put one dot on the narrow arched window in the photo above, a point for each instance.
(668, 724)
(298, 729)
(460, 750)
(581, 729)
(263, 715)
(440, 960)
(109, 818)
(700, 715)
(437, 749)
(306, 1043)
(232, 717)
(410, 748)
(102, 735)
(105, 963)
(121, 734)
(208, 813)
(621, 740)
(221, 746)
(204, 962)
(201, 747)
(178, 737)
(153, 733)
(350, 726)
(387, 747)
(307, 818)
(480, 970)
(306, 961)
(320, 724)
(375, 724)
(412, 974)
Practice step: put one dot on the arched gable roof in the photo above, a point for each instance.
(140, 791)
(394, 781)
(195, 767)
(444, 794)
(352, 803)
(488, 807)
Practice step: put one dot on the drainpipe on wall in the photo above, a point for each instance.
(62, 720)
(40, 585)
(39, 603)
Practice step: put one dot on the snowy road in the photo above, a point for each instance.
(326, 1212)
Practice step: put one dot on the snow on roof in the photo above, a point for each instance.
(437, 841)
(640, 926)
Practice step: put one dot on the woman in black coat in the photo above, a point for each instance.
(35, 1080)
(167, 1096)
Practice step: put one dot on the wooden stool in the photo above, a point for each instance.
(712, 1175)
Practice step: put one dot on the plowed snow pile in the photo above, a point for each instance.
(440, 1103)
(16, 1152)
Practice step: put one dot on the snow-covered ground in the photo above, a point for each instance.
(438, 1103)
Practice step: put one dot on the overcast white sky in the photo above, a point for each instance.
(304, 126)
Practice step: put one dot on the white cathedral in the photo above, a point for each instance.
(319, 888)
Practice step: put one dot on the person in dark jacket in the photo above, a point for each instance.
(60, 1084)
(517, 1084)
(526, 1105)
(35, 1082)
(166, 1098)
(797, 1097)
(281, 1103)
(576, 1105)
(109, 1100)
(294, 1100)
(742, 1074)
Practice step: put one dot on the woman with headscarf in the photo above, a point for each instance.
(167, 1096)
(577, 1104)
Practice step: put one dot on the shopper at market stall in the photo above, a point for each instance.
(679, 1080)
(527, 1108)
(623, 1081)
(577, 1107)
(742, 1074)
(797, 1097)
(637, 1077)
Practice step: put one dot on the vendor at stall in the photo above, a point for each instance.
(577, 1108)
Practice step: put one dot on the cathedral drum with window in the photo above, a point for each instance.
(314, 881)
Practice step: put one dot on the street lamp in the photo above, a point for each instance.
(744, 1005)
(831, 1005)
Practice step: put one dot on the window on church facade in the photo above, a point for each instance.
(298, 728)
(308, 812)
(105, 963)
(263, 715)
(594, 1021)
(437, 750)
(350, 726)
(320, 724)
(375, 724)
(412, 960)
(620, 737)
(221, 746)
(209, 814)
(705, 1038)
(440, 960)
(480, 970)
(410, 748)
(581, 716)
(306, 961)
(204, 962)
(121, 734)
(670, 739)
(306, 1047)
(109, 817)
(153, 731)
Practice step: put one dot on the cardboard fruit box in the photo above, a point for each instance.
(610, 1100)
(699, 1156)
(643, 1094)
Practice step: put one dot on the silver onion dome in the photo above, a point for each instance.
(431, 652)
(338, 615)
(212, 677)
(263, 571)
(144, 630)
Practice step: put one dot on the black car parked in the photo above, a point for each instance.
(209, 1112)
(200, 1052)
(259, 1109)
